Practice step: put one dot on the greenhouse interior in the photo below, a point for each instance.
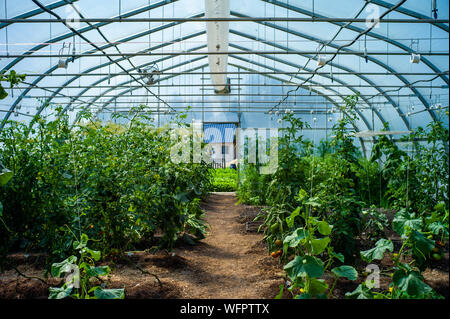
(224, 149)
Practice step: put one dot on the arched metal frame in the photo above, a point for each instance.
(144, 9)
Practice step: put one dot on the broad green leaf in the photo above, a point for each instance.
(1, 209)
(404, 220)
(304, 296)
(290, 219)
(296, 237)
(436, 228)
(345, 271)
(317, 246)
(98, 271)
(301, 266)
(420, 245)
(81, 244)
(378, 251)
(324, 228)
(5, 176)
(109, 293)
(65, 266)
(59, 293)
(95, 254)
(410, 282)
(338, 256)
(361, 292)
(317, 286)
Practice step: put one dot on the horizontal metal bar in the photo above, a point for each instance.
(306, 86)
(230, 19)
(227, 102)
(291, 52)
(241, 73)
(209, 95)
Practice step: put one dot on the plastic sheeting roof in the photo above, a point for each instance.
(268, 58)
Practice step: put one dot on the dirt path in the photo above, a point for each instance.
(228, 263)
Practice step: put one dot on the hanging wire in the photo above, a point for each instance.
(6, 28)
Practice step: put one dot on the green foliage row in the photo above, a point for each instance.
(223, 180)
(346, 191)
(114, 183)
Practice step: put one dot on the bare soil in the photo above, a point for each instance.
(229, 263)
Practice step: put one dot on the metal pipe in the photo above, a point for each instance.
(291, 52)
(215, 95)
(242, 73)
(230, 19)
(306, 86)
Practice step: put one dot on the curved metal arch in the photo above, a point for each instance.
(173, 41)
(119, 60)
(237, 66)
(198, 34)
(371, 34)
(69, 35)
(248, 61)
(409, 12)
(112, 88)
(338, 66)
(49, 71)
(281, 61)
(35, 12)
(363, 118)
(372, 59)
(168, 1)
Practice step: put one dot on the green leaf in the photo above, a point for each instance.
(280, 294)
(317, 246)
(109, 293)
(296, 237)
(317, 286)
(59, 293)
(304, 296)
(3, 93)
(378, 251)
(182, 197)
(301, 266)
(302, 194)
(290, 219)
(98, 271)
(345, 271)
(410, 282)
(81, 244)
(361, 292)
(1, 209)
(324, 228)
(338, 256)
(65, 266)
(5, 176)
(436, 228)
(404, 220)
(95, 254)
(420, 245)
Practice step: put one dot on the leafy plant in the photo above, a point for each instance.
(308, 243)
(79, 284)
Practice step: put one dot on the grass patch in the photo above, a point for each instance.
(223, 180)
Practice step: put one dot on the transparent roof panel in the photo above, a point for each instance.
(273, 64)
